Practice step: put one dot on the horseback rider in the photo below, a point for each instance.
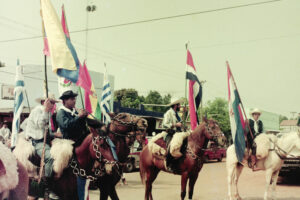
(173, 123)
(71, 123)
(256, 128)
(36, 124)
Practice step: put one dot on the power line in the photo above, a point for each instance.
(153, 20)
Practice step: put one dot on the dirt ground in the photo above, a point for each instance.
(211, 185)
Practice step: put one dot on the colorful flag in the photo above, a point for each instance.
(195, 90)
(18, 105)
(236, 115)
(90, 96)
(64, 58)
(105, 99)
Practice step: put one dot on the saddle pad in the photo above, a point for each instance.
(9, 161)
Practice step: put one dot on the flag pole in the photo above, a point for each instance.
(41, 172)
(227, 63)
(185, 113)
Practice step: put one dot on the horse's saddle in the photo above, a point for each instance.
(2, 168)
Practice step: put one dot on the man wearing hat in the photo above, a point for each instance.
(172, 122)
(4, 131)
(71, 123)
(256, 128)
(36, 124)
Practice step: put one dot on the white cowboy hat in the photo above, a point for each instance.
(175, 100)
(51, 96)
(255, 110)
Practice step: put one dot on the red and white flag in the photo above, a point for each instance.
(195, 90)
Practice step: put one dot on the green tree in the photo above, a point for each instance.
(154, 97)
(281, 118)
(128, 98)
(218, 110)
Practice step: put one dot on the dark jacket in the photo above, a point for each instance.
(254, 133)
(71, 126)
(298, 122)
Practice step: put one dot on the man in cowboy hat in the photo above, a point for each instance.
(71, 123)
(4, 131)
(256, 128)
(36, 124)
(172, 123)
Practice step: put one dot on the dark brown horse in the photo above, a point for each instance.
(93, 158)
(189, 164)
(137, 128)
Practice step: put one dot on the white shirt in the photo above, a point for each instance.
(170, 119)
(5, 133)
(36, 123)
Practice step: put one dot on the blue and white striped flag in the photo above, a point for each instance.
(105, 99)
(19, 104)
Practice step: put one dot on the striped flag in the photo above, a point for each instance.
(105, 99)
(18, 105)
(195, 90)
(65, 62)
(236, 115)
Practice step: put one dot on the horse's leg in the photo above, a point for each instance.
(184, 177)
(239, 169)
(192, 181)
(151, 175)
(113, 194)
(103, 194)
(269, 173)
(274, 183)
(231, 170)
(104, 190)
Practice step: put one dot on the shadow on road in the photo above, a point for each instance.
(289, 180)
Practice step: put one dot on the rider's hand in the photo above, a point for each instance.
(58, 134)
(48, 105)
(82, 113)
(178, 124)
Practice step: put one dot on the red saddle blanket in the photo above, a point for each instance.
(2, 168)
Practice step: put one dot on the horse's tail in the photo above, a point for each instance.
(142, 167)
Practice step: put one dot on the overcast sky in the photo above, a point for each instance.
(261, 41)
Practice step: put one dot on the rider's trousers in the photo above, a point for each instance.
(48, 160)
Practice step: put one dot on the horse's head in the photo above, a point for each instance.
(130, 126)
(263, 143)
(213, 131)
(140, 134)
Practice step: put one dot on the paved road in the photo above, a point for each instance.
(211, 185)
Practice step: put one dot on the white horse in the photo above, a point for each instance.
(270, 153)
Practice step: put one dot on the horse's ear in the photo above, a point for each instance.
(204, 119)
(112, 115)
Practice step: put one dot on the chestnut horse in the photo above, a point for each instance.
(189, 164)
(122, 142)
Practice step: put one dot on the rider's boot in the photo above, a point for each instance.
(253, 163)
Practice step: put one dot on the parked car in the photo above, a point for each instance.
(214, 152)
(291, 165)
